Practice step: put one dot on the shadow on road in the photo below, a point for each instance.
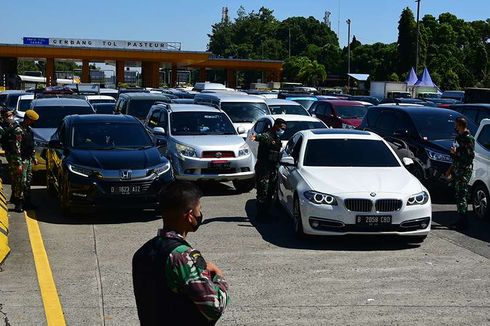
(216, 189)
(478, 229)
(278, 230)
(442, 196)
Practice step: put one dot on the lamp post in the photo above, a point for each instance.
(348, 21)
(418, 37)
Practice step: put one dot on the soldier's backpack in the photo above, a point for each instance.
(157, 304)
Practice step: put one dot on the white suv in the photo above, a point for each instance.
(480, 179)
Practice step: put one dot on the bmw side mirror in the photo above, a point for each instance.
(287, 161)
(159, 131)
(407, 161)
(241, 130)
(55, 144)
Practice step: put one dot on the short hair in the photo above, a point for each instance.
(462, 122)
(179, 197)
(280, 121)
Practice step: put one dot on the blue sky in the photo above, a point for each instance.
(190, 21)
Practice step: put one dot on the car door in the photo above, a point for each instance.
(258, 128)
(56, 156)
(287, 174)
(162, 139)
(482, 155)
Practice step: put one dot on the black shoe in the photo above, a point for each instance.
(19, 207)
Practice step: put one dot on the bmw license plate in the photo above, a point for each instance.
(373, 220)
(219, 165)
(125, 190)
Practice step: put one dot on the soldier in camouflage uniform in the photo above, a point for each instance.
(192, 291)
(462, 153)
(268, 156)
(21, 157)
(6, 125)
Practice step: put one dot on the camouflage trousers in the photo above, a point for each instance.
(266, 178)
(461, 189)
(21, 182)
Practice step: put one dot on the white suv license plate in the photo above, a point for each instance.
(125, 190)
(373, 220)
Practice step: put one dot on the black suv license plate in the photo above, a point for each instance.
(125, 190)
(373, 220)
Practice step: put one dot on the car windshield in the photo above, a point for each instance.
(104, 108)
(306, 103)
(351, 112)
(349, 153)
(12, 101)
(102, 101)
(51, 116)
(438, 124)
(244, 112)
(140, 108)
(24, 105)
(200, 123)
(110, 135)
(295, 126)
(288, 109)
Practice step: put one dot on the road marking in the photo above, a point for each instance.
(49, 294)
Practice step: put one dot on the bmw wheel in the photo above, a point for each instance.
(297, 223)
(480, 201)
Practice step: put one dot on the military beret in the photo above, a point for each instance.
(32, 115)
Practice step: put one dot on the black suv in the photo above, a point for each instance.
(95, 160)
(138, 104)
(474, 112)
(424, 134)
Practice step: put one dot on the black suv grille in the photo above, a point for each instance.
(359, 205)
(388, 205)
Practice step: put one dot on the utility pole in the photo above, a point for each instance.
(289, 39)
(418, 37)
(348, 52)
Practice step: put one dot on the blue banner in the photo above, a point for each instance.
(36, 41)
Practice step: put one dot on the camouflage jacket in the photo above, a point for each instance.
(186, 274)
(269, 148)
(465, 152)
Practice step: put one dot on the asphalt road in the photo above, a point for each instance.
(274, 278)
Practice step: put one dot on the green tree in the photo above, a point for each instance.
(312, 73)
(26, 65)
(407, 39)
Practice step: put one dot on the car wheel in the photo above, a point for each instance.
(417, 239)
(243, 186)
(297, 224)
(480, 201)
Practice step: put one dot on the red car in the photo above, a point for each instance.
(339, 113)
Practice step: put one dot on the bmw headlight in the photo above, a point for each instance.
(440, 157)
(185, 150)
(320, 198)
(159, 170)
(244, 150)
(418, 199)
(81, 171)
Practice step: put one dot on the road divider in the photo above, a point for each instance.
(4, 226)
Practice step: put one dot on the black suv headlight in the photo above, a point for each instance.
(82, 171)
(320, 198)
(159, 170)
(439, 157)
(418, 199)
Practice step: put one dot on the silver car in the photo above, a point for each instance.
(202, 144)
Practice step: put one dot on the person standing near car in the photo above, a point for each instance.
(173, 283)
(268, 156)
(21, 157)
(462, 153)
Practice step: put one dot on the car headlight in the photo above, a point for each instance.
(82, 171)
(40, 143)
(440, 157)
(418, 199)
(320, 198)
(185, 150)
(159, 170)
(244, 150)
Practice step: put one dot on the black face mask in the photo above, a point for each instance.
(198, 221)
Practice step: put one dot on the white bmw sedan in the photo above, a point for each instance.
(338, 182)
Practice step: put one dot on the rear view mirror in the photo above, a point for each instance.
(241, 130)
(287, 161)
(407, 161)
(55, 144)
(159, 131)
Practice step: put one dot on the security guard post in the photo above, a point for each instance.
(268, 157)
(21, 160)
(462, 153)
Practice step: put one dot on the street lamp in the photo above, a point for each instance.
(348, 21)
(418, 37)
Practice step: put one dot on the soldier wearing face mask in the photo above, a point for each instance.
(268, 157)
(172, 282)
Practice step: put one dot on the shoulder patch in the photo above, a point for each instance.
(198, 259)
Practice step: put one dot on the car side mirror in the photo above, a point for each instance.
(407, 161)
(159, 131)
(287, 161)
(241, 130)
(55, 144)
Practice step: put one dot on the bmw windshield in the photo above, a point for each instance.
(110, 135)
(348, 153)
(200, 123)
(244, 112)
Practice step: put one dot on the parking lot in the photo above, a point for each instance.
(274, 278)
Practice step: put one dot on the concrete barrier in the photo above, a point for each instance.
(4, 226)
